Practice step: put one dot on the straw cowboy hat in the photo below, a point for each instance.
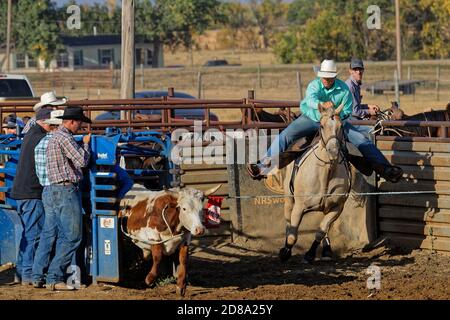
(328, 69)
(54, 120)
(49, 98)
(74, 113)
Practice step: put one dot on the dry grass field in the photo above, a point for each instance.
(277, 82)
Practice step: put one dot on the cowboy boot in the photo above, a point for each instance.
(360, 164)
(389, 172)
(254, 171)
(258, 171)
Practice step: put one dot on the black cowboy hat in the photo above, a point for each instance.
(74, 113)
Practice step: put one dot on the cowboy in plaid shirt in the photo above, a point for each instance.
(63, 213)
(65, 157)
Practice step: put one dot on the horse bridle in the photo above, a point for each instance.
(341, 144)
(342, 151)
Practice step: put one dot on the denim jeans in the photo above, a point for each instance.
(62, 228)
(300, 127)
(48, 238)
(31, 212)
(365, 130)
(304, 126)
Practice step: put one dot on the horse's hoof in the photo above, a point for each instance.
(150, 282)
(181, 291)
(284, 254)
(327, 254)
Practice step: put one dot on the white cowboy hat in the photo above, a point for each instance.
(53, 117)
(49, 98)
(328, 69)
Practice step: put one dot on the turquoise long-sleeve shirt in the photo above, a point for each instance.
(316, 92)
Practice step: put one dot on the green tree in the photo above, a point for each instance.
(268, 14)
(436, 29)
(291, 47)
(37, 30)
(181, 19)
(238, 18)
(301, 11)
(105, 19)
(336, 29)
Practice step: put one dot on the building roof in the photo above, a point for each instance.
(106, 39)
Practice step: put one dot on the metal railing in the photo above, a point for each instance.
(167, 106)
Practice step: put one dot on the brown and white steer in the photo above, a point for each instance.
(160, 222)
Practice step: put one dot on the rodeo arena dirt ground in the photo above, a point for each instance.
(233, 271)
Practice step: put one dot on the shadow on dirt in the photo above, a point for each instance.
(250, 271)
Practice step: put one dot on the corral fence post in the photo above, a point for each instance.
(247, 113)
(299, 85)
(142, 75)
(396, 84)
(438, 74)
(199, 84)
(259, 76)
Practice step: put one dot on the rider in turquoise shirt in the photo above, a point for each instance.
(317, 93)
(330, 92)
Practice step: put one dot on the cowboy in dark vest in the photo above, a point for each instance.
(28, 193)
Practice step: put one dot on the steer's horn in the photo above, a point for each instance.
(339, 109)
(212, 190)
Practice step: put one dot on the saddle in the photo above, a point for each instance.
(298, 150)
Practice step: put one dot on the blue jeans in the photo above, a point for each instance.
(48, 238)
(365, 130)
(304, 126)
(63, 225)
(31, 212)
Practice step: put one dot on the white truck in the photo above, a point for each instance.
(14, 86)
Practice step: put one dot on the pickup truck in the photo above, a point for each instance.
(14, 86)
(219, 63)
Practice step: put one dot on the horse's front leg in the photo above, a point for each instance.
(292, 230)
(182, 269)
(157, 254)
(321, 234)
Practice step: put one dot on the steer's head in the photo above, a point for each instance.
(190, 202)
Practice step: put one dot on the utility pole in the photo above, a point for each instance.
(127, 64)
(399, 41)
(8, 34)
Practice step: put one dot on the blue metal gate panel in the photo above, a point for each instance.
(11, 233)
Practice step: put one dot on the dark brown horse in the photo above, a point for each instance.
(395, 113)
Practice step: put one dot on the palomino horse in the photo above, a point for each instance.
(322, 183)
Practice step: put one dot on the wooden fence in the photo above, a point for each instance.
(420, 220)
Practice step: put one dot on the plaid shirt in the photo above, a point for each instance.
(65, 157)
(40, 160)
(29, 124)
